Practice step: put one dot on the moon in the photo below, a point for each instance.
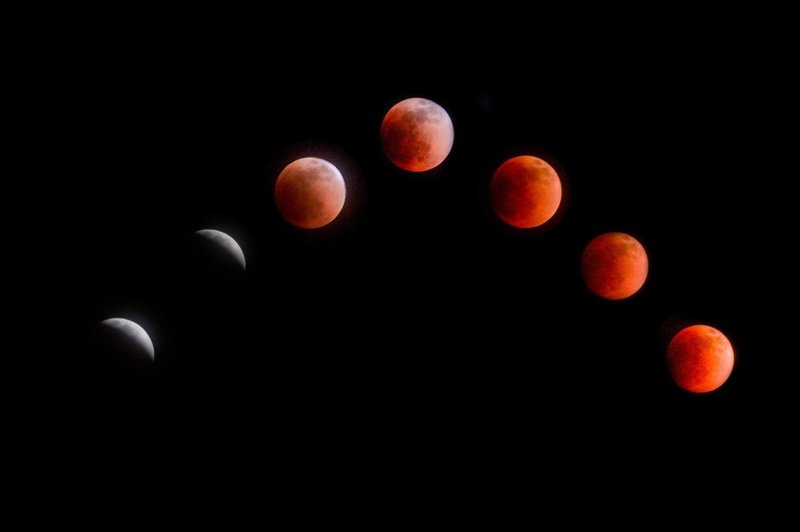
(134, 343)
(225, 243)
(310, 193)
(614, 265)
(417, 134)
(525, 192)
(700, 358)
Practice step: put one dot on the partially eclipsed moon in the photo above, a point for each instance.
(525, 192)
(614, 265)
(700, 358)
(135, 337)
(417, 134)
(225, 242)
(310, 192)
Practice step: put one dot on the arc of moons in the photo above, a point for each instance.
(700, 358)
(134, 335)
(310, 192)
(417, 134)
(525, 192)
(224, 242)
(614, 265)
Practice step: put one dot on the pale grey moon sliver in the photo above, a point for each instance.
(226, 243)
(133, 333)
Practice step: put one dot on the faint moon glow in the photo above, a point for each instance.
(525, 192)
(310, 192)
(225, 243)
(135, 337)
(614, 265)
(417, 134)
(700, 358)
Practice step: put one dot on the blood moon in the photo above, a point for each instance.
(700, 358)
(310, 192)
(614, 265)
(525, 191)
(417, 134)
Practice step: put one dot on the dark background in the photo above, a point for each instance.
(416, 314)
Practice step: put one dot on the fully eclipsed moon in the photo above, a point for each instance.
(225, 243)
(700, 358)
(310, 192)
(525, 192)
(134, 342)
(614, 265)
(417, 134)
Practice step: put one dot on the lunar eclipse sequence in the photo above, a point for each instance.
(526, 193)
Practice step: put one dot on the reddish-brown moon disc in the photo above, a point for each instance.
(700, 358)
(614, 265)
(417, 134)
(525, 191)
(310, 192)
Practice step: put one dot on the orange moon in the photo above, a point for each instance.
(417, 134)
(700, 358)
(525, 192)
(310, 192)
(614, 265)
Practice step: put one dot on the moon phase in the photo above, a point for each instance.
(525, 192)
(614, 265)
(310, 192)
(224, 243)
(132, 345)
(700, 358)
(417, 134)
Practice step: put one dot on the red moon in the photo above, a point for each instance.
(525, 192)
(417, 134)
(700, 358)
(614, 265)
(310, 192)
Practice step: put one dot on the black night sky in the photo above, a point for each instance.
(417, 307)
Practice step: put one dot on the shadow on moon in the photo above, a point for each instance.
(119, 355)
(210, 264)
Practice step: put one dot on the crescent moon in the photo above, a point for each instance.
(134, 333)
(227, 243)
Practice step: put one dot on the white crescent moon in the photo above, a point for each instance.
(225, 242)
(134, 332)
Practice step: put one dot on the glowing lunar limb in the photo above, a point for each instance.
(134, 338)
(225, 243)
